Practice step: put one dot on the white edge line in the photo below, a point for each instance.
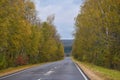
(9, 75)
(39, 79)
(81, 72)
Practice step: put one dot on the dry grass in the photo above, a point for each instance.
(98, 73)
(16, 69)
(19, 68)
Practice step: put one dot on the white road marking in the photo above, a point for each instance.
(49, 72)
(81, 72)
(39, 79)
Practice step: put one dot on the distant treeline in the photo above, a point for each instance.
(67, 46)
(97, 38)
(23, 38)
(68, 49)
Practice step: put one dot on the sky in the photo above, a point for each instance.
(65, 12)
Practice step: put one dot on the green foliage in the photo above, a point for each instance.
(97, 37)
(50, 43)
(23, 38)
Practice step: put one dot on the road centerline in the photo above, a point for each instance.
(49, 72)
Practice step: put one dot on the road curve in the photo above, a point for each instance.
(60, 70)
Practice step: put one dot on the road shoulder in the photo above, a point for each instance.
(98, 73)
(13, 70)
(92, 75)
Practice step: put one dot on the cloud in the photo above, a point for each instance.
(65, 12)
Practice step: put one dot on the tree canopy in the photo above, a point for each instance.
(97, 37)
(24, 39)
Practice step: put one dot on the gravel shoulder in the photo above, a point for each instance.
(98, 73)
(91, 74)
(12, 70)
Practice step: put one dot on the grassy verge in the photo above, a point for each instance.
(19, 68)
(16, 69)
(96, 72)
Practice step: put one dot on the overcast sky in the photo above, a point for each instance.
(64, 10)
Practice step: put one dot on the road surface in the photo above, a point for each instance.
(60, 70)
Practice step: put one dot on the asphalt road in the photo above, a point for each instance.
(60, 70)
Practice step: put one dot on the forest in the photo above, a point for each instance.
(97, 37)
(24, 39)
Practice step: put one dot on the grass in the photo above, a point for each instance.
(107, 74)
(19, 68)
(16, 69)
